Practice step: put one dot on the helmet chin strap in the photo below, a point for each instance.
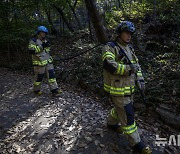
(120, 40)
(125, 42)
(41, 38)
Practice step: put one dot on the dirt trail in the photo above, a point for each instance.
(72, 123)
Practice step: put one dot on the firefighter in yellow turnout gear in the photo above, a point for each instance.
(39, 48)
(119, 82)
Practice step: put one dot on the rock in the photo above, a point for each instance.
(82, 145)
(96, 142)
(102, 134)
(168, 116)
(114, 147)
(139, 107)
(102, 145)
(88, 139)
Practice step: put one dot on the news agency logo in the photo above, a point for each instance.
(173, 140)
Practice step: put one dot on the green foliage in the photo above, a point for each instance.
(113, 18)
(136, 9)
(19, 19)
(170, 11)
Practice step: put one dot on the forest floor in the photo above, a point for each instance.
(73, 123)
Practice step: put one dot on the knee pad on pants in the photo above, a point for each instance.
(40, 77)
(51, 73)
(130, 113)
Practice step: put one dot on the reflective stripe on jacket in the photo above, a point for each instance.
(41, 57)
(118, 79)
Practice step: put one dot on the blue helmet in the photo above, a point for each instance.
(125, 26)
(42, 29)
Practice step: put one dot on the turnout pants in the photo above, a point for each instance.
(40, 72)
(123, 113)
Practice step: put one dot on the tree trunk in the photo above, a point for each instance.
(119, 4)
(5, 13)
(154, 10)
(89, 24)
(48, 13)
(74, 13)
(63, 17)
(96, 20)
(14, 11)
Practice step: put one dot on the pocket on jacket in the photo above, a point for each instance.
(117, 82)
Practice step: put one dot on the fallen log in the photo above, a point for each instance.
(168, 116)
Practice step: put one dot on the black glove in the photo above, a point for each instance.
(141, 85)
(134, 68)
(45, 44)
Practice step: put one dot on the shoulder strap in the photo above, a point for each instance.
(132, 52)
(121, 51)
(131, 47)
(112, 43)
(34, 39)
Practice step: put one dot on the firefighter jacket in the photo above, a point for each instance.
(119, 80)
(40, 52)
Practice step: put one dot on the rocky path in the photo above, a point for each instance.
(73, 123)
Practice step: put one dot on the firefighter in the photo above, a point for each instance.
(39, 48)
(119, 81)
